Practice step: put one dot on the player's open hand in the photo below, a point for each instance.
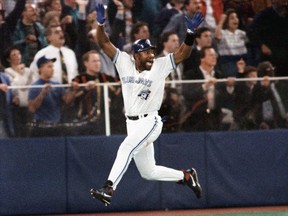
(100, 13)
(192, 24)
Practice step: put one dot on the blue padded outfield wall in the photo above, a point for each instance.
(54, 175)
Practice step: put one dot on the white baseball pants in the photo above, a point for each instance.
(139, 145)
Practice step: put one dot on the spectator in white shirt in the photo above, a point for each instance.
(55, 37)
(19, 75)
(231, 42)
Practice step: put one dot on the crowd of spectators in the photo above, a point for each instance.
(49, 42)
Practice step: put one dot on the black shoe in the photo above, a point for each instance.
(191, 180)
(103, 194)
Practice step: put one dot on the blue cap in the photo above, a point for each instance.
(142, 45)
(44, 60)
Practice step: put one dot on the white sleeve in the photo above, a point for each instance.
(165, 65)
(123, 62)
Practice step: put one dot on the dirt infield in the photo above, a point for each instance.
(251, 211)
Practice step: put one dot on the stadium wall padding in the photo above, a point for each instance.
(54, 175)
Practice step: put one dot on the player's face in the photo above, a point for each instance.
(145, 59)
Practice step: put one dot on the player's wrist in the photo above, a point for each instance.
(189, 39)
(100, 24)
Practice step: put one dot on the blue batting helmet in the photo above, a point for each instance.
(142, 45)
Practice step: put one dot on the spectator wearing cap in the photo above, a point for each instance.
(45, 103)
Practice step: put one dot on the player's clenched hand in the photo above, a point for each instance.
(192, 24)
(100, 14)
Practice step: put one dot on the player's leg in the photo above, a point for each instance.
(139, 134)
(146, 164)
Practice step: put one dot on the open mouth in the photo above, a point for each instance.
(150, 62)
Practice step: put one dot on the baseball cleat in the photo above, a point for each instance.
(191, 180)
(103, 194)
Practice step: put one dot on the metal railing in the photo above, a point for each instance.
(105, 86)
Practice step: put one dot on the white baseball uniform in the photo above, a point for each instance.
(143, 94)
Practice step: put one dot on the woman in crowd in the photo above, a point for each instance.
(19, 75)
(231, 42)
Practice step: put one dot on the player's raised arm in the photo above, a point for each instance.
(185, 49)
(101, 36)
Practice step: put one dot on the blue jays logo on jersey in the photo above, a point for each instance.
(139, 80)
(144, 94)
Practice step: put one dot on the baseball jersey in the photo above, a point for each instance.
(142, 92)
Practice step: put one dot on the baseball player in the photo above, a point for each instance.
(143, 79)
